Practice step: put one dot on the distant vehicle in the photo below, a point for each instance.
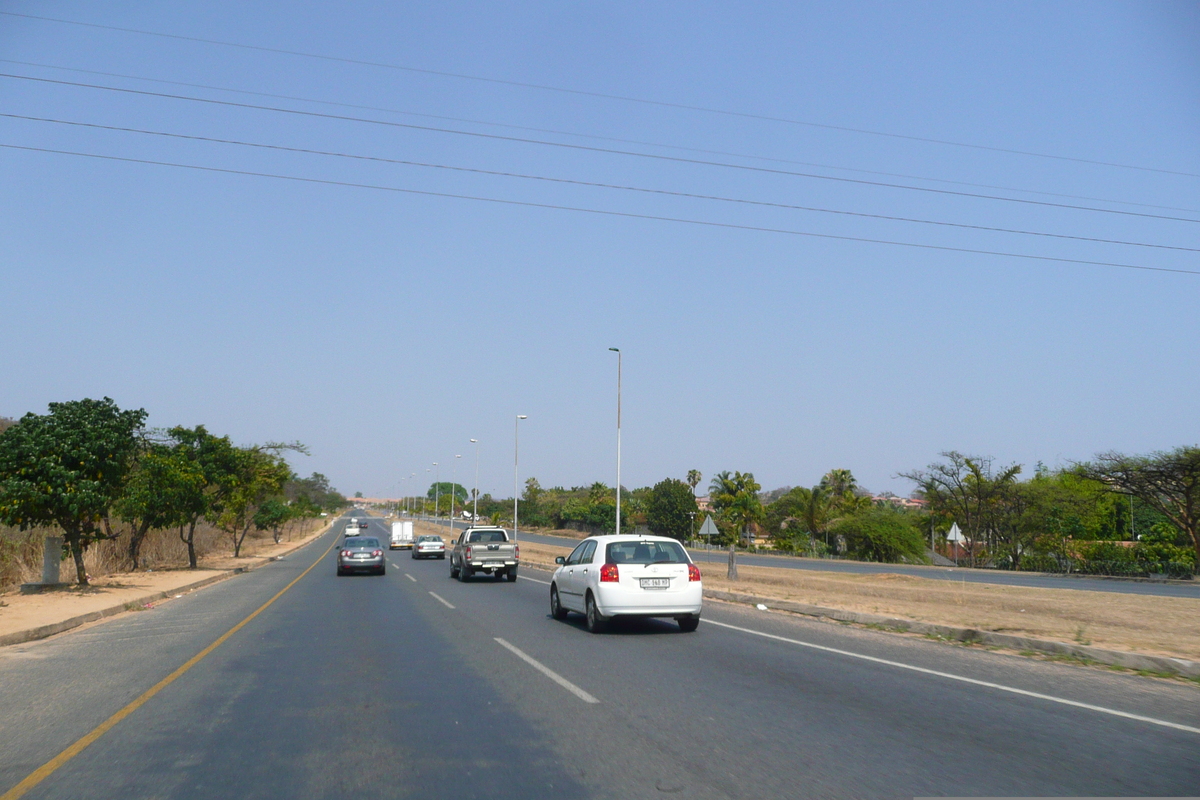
(488, 550)
(361, 554)
(429, 546)
(354, 521)
(627, 576)
(363, 524)
(402, 535)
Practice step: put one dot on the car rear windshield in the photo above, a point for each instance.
(359, 541)
(487, 536)
(429, 538)
(645, 553)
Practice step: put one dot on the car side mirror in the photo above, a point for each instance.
(560, 560)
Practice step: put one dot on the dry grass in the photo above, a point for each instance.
(21, 551)
(1140, 623)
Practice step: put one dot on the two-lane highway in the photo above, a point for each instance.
(413, 684)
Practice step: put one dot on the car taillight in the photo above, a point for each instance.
(608, 574)
(376, 553)
(345, 554)
(516, 551)
(468, 551)
(693, 572)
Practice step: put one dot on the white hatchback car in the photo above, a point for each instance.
(627, 576)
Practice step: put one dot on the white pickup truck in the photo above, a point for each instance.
(402, 535)
(488, 550)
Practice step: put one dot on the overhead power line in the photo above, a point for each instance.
(601, 95)
(593, 184)
(593, 149)
(603, 212)
(595, 137)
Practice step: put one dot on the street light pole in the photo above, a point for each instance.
(453, 492)
(516, 456)
(437, 488)
(475, 510)
(618, 352)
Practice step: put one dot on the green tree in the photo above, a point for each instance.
(882, 533)
(808, 511)
(272, 515)
(838, 482)
(68, 468)
(734, 496)
(965, 489)
(258, 476)
(1168, 482)
(693, 479)
(216, 459)
(670, 509)
(158, 489)
(444, 488)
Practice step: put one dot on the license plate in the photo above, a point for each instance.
(655, 583)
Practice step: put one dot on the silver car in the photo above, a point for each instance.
(429, 547)
(360, 554)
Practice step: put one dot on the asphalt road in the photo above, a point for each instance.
(992, 576)
(413, 685)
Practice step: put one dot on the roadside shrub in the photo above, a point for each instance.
(882, 533)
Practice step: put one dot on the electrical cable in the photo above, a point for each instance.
(602, 95)
(593, 184)
(610, 151)
(603, 212)
(596, 137)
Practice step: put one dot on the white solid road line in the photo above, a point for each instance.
(410, 577)
(549, 673)
(962, 678)
(535, 580)
(441, 600)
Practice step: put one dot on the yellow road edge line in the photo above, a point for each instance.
(48, 769)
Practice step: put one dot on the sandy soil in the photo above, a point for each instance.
(1167, 626)
(20, 612)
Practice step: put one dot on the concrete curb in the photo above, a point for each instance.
(44, 631)
(1118, 658)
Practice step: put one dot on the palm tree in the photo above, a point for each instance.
(734, 496)
(693, 479)
(839, 481)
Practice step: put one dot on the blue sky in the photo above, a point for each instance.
(385, 329)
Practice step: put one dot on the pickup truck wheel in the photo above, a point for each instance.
(556, 609)
(453, 570)
(595, 622)
(512, 575)
(464, 573)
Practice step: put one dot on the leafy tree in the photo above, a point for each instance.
(272, 515)
(358, 494)
(1168, 481)
(68, 468)
(882, 533)
(670, 509)
(216, 459)
(966, 490)
(806, 510)
(258, 476)
(316, 489)
(838, 482)
(734, 496)
(158, 489)
(444, 488)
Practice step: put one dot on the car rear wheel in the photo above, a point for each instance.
(556, 609)
(341, 572)
(595, 622)
(383, 570)
(689, 623)
(464, 573)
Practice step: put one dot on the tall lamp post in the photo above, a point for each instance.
(475, 508)
(453, 492)
(412, 505)
(516, 454)
(437, 489)
(618, 352)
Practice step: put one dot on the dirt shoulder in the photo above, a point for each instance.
(35, 616)
(1146, 624)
